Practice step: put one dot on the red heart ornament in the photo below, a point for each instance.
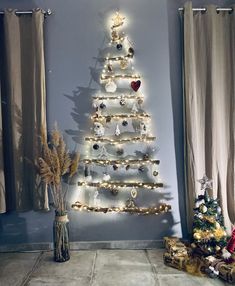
(135, 85)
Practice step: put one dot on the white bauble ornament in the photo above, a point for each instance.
(95, 104)
(219, 210)
(217, 225)
(106, 177)
(111, 86)
(98, 129)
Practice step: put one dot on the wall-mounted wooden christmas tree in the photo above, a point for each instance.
(119, 160)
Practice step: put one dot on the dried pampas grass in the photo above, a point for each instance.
(55, 163)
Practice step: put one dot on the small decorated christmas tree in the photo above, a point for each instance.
(209, 235)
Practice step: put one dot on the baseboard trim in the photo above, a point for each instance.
(85, 245)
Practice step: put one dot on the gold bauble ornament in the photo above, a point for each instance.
(203, 208)
(197, 235)
(217, 248)
(217, 225)
(211, 235)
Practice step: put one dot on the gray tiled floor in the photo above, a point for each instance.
(95, 268)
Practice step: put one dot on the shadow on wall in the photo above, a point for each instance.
(175, 50)
(113, 226)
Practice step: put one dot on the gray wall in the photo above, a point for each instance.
(74, 36)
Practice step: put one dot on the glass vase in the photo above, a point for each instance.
(61, 238)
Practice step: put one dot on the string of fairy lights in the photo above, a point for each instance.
(137, 162)
(121, 116)
(120, 140)
(162, 208)
(102, 119)
(112, 185)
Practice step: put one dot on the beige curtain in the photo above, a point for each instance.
(23, 110)
(209, 78)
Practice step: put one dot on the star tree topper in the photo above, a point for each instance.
(205, 182)
(118, 19)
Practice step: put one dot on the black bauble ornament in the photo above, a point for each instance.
(102, 105)
(115, 167)
(122, 102)
(124, 123)
(119, 47)
(155, 173)
(120, 151)
(131, 51)
(128, 167)
(96, 146)
(141, 169)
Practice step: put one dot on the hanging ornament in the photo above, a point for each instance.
(119, 47)
(103, 153)
(106, 177)
(110, 68)
(131, 51)
(140, 101)
(88, 177)
(117, 131)
(115, 35)
(96, 146)
(108, 119)
(219, 210)
(128, 167)
(134, 108)
(143, 128)
(114, 192)
(134, 193)
(203, 208)
(96, 200)
(124, 123)
(98, 129)
(111, 86)
(205, 182)
(102, 105)
(120, 151)
(115, 167)
(130, 203)
(118, 19)
(141, 169)
(95, 104)
(155, 173)
(123, 64)
(135, 85)
(122, 102)
(146, 156)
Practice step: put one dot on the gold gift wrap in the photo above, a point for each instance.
(227, 272)
(174, 261)
(170, 241)
(175, 247)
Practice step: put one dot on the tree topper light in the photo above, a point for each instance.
(118, 20)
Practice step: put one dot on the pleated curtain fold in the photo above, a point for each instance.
(23, 98)
(209, 95)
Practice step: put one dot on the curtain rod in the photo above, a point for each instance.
(46, 13)
(204, 9)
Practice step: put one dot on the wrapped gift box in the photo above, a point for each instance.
(176, 262)
(175, 247)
